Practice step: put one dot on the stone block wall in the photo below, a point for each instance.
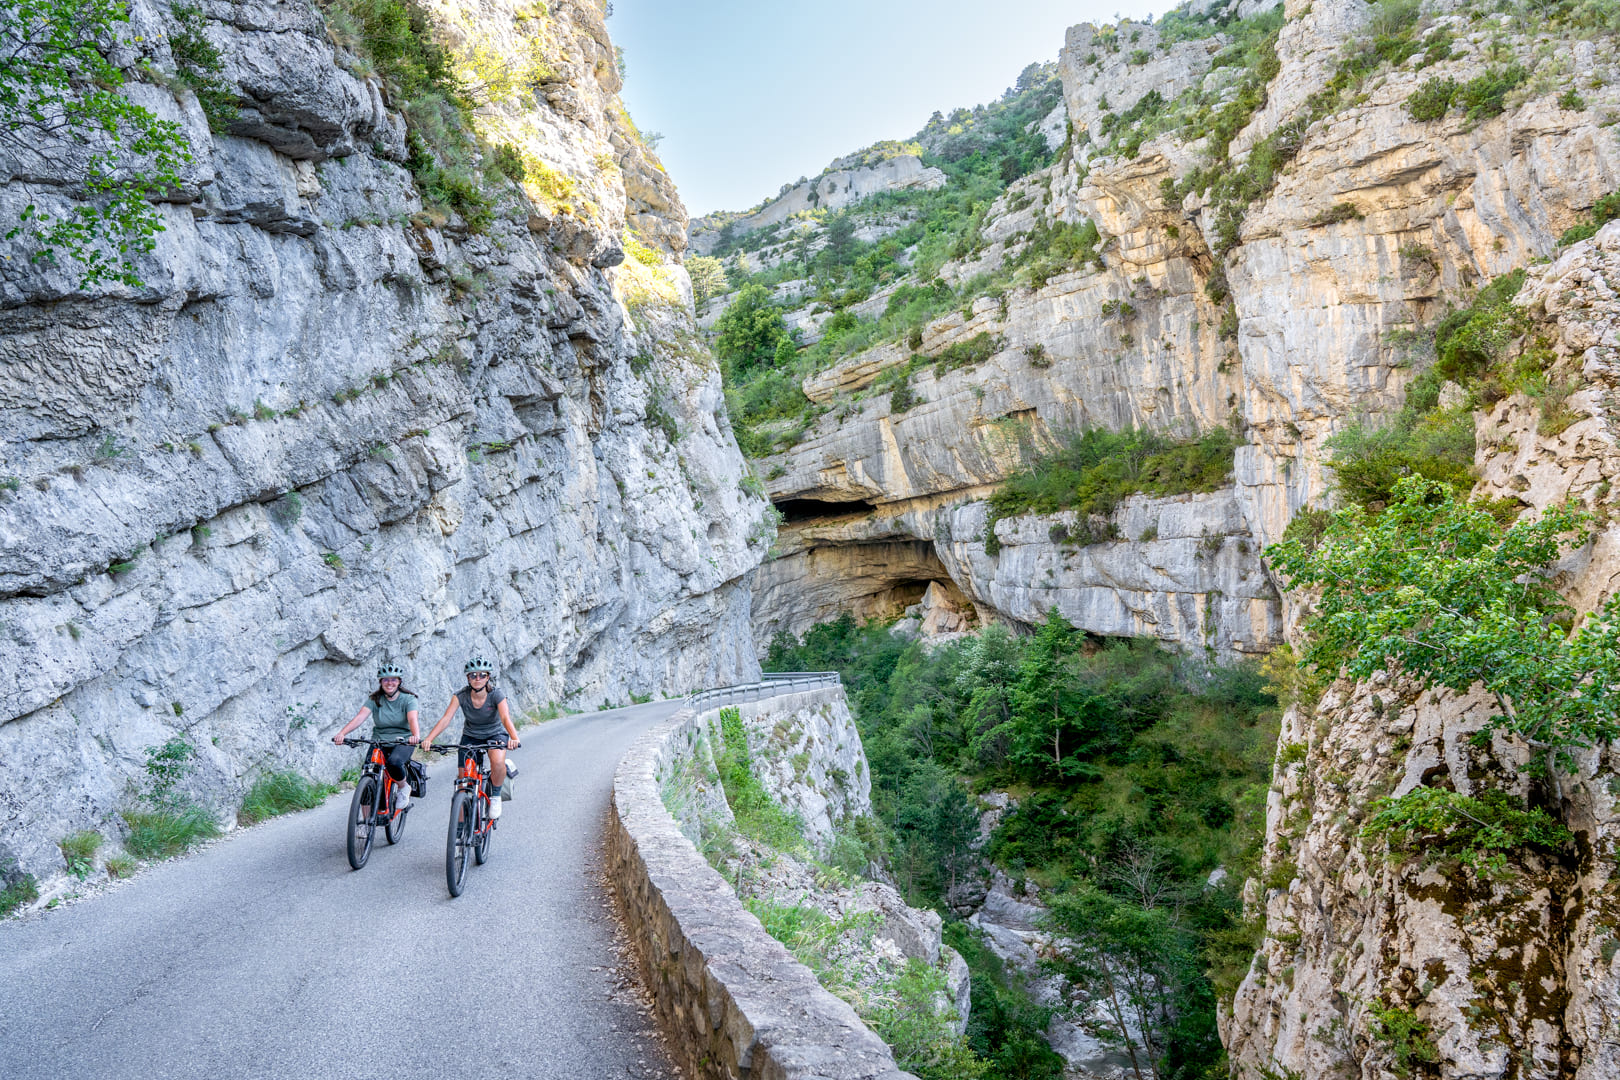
(734, 1001)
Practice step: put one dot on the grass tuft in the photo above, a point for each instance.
(281, 793)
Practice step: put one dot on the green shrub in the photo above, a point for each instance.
(161, 833)
(1469, 341)
(1405, 1037)
(1438, 825)
(199, 65)
(1367, 462)
(507, 160)
(921, 1033)
(757, 815)
(1092, 470)
(79, 850)
(970, 353)
(281, 793)
(22, 890)
(1432, 100)
(1485, 96)
(1605, 211)
(1443, 590)
(1571, 101)
(120, 866)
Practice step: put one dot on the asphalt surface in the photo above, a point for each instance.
(266, 956)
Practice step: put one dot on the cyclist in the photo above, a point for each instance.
(484, 713)
(396, 718)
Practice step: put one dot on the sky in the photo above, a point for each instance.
(752, 94)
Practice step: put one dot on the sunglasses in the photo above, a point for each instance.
(478, 675)
(389, 679)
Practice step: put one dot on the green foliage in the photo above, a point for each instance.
(1605, 211)
(1159, 775)
(199, 64)
(748, 332)
(507, 160)
(1432, 100)
(166, 766)
(708, 279)
(119, 866)
(757, 814)
(167, 831)
(1572, 101)
(1404, 1036)
(79, 852)
(19, 891)
(1056, 249)
(1442, 590)
(1092, 470)
(1440, 825)
(1006, 1025)
(922, 1035)
(1437, 445)
(60, 84)
(1133, 958)
(282, 793)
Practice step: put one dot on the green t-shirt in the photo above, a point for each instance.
(388, 717)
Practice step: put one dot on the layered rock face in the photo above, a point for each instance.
(844, 183)
(338, 426)
(1303, 326)
(1512, 975)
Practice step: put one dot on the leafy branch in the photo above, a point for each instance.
(62, 115)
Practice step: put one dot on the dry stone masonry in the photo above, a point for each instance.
(734, 1000)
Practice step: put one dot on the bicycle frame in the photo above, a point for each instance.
(376, 765)
(473, 776)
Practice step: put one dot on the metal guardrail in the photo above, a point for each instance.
(771, 684)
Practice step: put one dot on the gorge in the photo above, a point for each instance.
(1005, 421)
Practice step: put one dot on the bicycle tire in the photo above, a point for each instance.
(458, 843)
(486, 829)
(395, 829)
(362, 821)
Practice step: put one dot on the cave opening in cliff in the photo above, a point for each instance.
(798, 511)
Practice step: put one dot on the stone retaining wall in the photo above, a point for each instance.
(734, 1001)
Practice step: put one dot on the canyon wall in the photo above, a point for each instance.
(338, 424)
(1301, 325)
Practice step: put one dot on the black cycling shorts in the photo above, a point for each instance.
(498, 740)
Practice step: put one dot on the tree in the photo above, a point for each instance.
(749, 331)
(840, 249)
(708, 279)
(1436, 587)
(1134, 961)
(62, 115)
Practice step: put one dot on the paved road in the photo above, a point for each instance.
(266, 956)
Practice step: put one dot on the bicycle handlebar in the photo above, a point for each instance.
(447, 747)
(349, 740)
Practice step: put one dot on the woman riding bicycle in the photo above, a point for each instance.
(396, 718)
(484, 713)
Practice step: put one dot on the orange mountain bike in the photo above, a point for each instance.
(373, 803)
(470, 824)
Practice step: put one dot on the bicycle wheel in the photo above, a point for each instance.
(486, 829)
(458, 844)
(362, 821)
(396, 821)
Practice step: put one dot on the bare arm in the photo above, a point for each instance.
(416, 729)
(506, 718)
(444, 721)
(359, 718)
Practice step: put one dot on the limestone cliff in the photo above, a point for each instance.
(340, 424)
(1289, 313)
(1512, 975)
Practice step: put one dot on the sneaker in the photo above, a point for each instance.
(494, 809)
(402, 796)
